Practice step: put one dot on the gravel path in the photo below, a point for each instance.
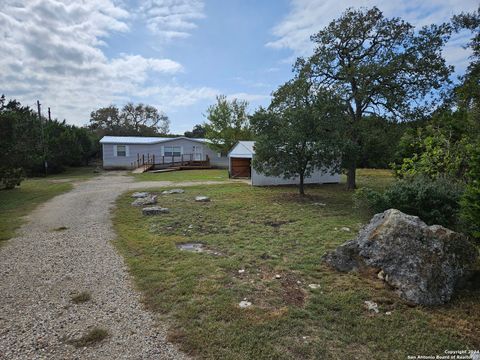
(41, 269)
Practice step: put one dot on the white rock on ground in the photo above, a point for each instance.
(137, 195)
(41, 269)
(371, 306)
(154, 210)
(202, 199)
(244, 304)
(173, 191)
(147, 200)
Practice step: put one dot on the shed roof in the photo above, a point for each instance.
(143, 140)
(243, 149)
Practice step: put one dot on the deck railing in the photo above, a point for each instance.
(151, 161)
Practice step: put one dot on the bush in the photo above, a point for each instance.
(470, 203)
(434, 201)
(9, 178)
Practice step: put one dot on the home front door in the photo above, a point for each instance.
(197, 152)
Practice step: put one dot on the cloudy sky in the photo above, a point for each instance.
(75, 56)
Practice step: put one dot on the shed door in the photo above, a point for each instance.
(241, 167)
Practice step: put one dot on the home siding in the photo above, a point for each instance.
(110, 161)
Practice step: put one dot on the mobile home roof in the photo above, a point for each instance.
(142, 140)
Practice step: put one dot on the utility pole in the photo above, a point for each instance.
(49, 116)
(45, 164)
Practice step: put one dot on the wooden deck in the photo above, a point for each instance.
(183, 162)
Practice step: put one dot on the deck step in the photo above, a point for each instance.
(142, 169)
(165, 170)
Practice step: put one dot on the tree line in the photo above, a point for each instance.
(36, 146)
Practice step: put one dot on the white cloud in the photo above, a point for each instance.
(172, 96)
(53, 51)
(172, 19)
(306, 17)
(248, 97)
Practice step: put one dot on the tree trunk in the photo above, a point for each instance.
(351, 176)
(301, 187)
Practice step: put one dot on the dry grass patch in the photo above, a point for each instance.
(81, 298)
(61, 228)
(90, 338)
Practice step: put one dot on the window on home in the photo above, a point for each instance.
(173, 151)
(121, 150)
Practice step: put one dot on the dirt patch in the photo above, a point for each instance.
(270, 289)
(292, 292)
(277, 223)
(197, 248)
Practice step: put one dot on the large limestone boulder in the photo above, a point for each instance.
(423, 263)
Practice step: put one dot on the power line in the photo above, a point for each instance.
(45, 163)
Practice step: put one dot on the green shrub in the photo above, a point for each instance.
(434, 201)
(9, 178)
(470, 202)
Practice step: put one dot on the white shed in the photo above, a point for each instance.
(240, 166)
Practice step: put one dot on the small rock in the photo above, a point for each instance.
(138, 195)
(155, 210)
(278, 276)
(190, 226)
(173, 191)
(314, 286)
(244, 304)
(149, 200)
(381, 275)
(345, 229)
(372, 306)
(241, 271)
(202, 199)
(388, 313)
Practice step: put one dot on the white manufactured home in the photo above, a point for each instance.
(240, 166)
(127, 152)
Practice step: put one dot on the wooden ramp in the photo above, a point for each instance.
(142, 169)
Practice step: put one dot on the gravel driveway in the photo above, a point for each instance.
(42, 268)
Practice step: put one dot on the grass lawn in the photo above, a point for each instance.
(185, 175)
(18, 202)
(278, 239)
